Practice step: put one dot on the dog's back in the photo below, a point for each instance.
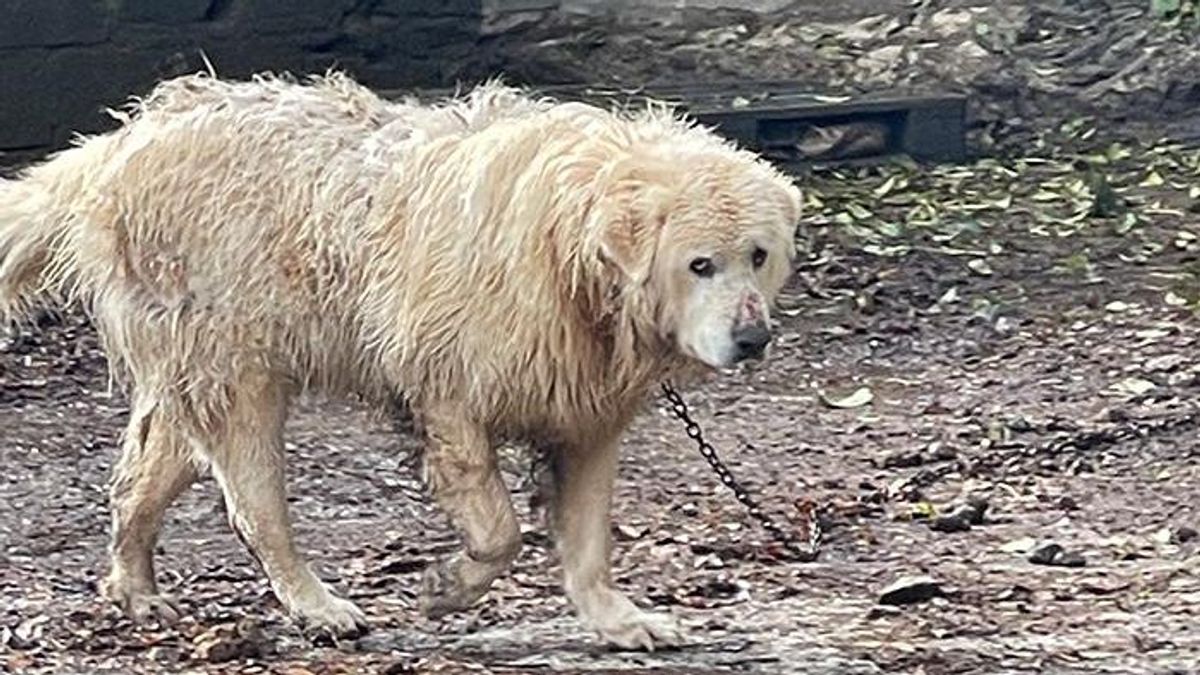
(175, 227)
(220, 224)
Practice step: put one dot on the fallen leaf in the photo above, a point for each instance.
(1134, 386)
(980, 267)
(1116, 306)
(856, 399)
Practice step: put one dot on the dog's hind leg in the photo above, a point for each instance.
(584, 475)
(155, 466)
(461, 470)
(246, 452)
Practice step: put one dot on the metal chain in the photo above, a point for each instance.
(806, 552)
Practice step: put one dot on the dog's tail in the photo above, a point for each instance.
(33, 226)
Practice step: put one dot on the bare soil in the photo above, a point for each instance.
(1069, 402)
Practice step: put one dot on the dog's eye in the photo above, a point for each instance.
(702, 267)
(758, 257)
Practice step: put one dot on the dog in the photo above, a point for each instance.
(508, 267)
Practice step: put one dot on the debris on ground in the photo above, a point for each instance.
(1055, 555)
(910, 590)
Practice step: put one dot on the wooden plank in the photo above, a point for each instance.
(792, 124)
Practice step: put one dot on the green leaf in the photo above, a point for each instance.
(888, 229)
(923, 510)
(1164, 8)
(1117, 152)
(887, 186)
(1127, 223)
(858, 212)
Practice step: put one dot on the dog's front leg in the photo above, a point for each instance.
(461, 470)
(584, 477)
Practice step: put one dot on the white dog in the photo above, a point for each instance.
(511, 268)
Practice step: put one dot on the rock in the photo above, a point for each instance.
(1182, 535)
(910, 590)
(1054, 555)
(963, 516)
(1067, 503)
(979, 506)
(958, 521)
(1045, 554)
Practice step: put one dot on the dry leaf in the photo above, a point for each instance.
(856, 399)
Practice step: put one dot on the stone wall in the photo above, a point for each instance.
(63, 61)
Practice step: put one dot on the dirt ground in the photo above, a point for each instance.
(1015, 352)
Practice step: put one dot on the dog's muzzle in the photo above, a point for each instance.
(750, 341)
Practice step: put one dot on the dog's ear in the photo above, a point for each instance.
(639, 198)
(793, 205)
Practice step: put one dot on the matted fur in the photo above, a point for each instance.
(491, 261)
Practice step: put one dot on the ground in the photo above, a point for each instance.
(1026, 328)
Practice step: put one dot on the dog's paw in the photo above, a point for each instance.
(442, 591)
(331, 614)
(623, 624)
(641, 630)
(142, 606)
(149, 608)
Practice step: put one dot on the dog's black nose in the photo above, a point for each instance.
(751, 340)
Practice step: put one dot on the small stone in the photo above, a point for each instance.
(940, 453)
(962, 517)
(1045, 554)
(1054, 555)
(1067, 503)
(911, 589)
(977, 508)
(1182, 535)
(954, 522)
(628, 532)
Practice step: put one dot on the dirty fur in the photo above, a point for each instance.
(494, 262)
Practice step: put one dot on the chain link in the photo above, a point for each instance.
(810, 549)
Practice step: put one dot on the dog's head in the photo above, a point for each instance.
(704, 248)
